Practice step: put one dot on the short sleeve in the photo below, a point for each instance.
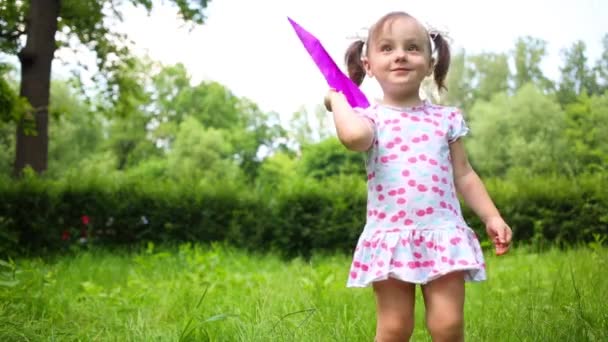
(368, 113)
(458, 126)
(371, 115)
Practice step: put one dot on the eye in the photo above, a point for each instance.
(412, 47)
(386, 48)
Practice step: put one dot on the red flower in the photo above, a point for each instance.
(85, 219)
(65, 235)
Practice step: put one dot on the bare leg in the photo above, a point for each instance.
(395, 310)
(444, 301)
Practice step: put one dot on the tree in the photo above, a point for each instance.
(601, 68)
(520, 131)
(587, 124)
(528, 55)
(84, 21)
(489, 74)
(459, 92)
(577, 77)
(329, 158)
(75, 134)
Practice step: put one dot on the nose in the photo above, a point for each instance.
(400, 54)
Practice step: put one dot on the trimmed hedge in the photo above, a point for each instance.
(305, 216)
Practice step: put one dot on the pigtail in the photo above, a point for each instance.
(354, 65)
(443, 59)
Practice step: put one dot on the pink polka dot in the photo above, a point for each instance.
(353, 275)
(401, 213)
(390, 145)
(439, 133)
(384, 159)
(366, 244)
(379, 187)
(435, 178)
(443, 205)
(435, 189)
(420, 213)
(397, 140)
(425, 137)
(357, 264)
(395, 218)
(397, 128)
(405, 173)
(393, 157)
(422, 188)
(386, 122)
(397, 264)
(444, 181)
(416, 140)
(408, 222)
(401, 191)
(430, 244)
(381, 198)
(411, 265)
(433, 162)
(404, 148)
(404, 115)
(463, 262)
(422, 157)
(392, 193)
(415, 119)
(380, 263)
(401, 200)
(412, 159)
(411, 182)
(429, 210)
(395, 121)
(441, 192)
(444, 259)
(381, 215)
(426, 263)
(364, 267)
(455, 240)
(417, 255)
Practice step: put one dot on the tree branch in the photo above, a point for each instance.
(11, 36)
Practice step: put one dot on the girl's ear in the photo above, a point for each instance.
(366, 66)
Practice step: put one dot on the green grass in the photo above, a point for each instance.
(202, 293)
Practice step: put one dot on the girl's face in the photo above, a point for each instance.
(398, 57)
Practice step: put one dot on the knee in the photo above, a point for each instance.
(395, 329)
(446, 328)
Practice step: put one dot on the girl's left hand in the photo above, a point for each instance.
(500, 234)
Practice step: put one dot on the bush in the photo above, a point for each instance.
(302, 216)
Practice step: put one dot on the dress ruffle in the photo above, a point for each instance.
(416, 255)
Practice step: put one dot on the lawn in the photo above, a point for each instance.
(215, 293)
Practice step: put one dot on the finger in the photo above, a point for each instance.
(502, 248)
(502, 234)
(509, 234)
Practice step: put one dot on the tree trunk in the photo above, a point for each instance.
(36, 59)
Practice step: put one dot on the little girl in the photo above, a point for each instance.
(415, 232)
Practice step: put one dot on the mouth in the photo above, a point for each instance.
(401, 70)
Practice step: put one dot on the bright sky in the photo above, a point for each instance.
(248, 45)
